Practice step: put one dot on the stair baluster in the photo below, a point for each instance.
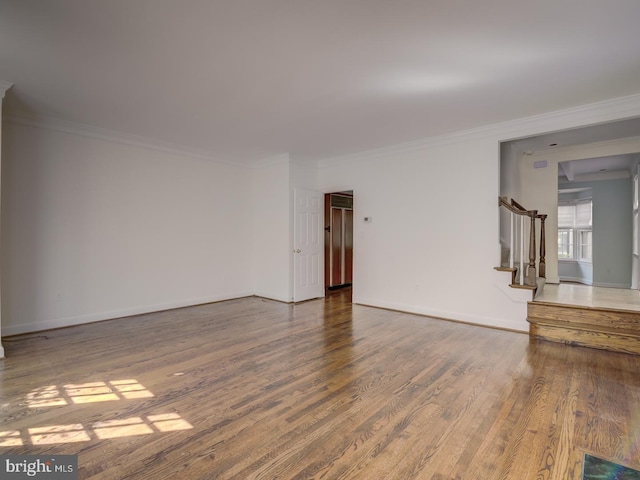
(528, 278)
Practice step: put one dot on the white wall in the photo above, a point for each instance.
(434, 238)
(96, 229)
(510, 187)
(612, 233)
(430, 248)
(272, 225)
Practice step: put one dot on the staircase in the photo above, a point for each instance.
(524, 271)
(603, 327)
(607, 328)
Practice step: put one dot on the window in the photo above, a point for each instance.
(584, 251)
(575, 237)
(565, 243)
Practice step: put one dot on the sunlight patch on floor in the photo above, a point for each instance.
(77, 432)
(55, 395)
(51, 396)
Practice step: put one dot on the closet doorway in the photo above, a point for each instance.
(338, 240)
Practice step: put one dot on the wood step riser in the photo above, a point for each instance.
(584, 338)
(606, 329)
(599, 317)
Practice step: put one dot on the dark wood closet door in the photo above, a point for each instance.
(336, 243)
(348, 246)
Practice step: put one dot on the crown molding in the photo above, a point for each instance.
(566, 119)
(55, 124)
(581, 116)
(271, 161)
(4, 86)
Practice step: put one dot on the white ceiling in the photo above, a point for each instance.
(249, 79)
(600, 168)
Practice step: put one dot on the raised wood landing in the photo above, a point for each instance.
(255, 389)
(602, 318)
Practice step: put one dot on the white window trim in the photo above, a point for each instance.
(576, 235)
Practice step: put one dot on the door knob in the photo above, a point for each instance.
(298, 251)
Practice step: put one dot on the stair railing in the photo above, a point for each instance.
(518, 216)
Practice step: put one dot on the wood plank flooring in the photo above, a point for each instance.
(256, 389)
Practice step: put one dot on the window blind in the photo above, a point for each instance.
(576, 215)
(566, 215)
(583, 214)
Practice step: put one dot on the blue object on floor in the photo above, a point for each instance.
(594, 468)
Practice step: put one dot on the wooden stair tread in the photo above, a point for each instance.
(586, 307)
(506, 269)
(526, 287)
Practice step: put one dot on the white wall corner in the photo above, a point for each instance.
(4, 86)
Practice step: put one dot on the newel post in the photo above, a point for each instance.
(531, 269)
(543, 247)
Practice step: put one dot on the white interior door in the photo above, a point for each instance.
(308, 246)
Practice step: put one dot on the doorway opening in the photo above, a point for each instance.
(575, 235)
(338, 240)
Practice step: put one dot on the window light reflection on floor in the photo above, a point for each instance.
(54, 395)
(73, 433)
(11, 438)
(58, 434)
(75, 394)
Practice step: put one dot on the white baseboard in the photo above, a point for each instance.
(576, 280)
(272, 296)
(514, 325)
(113, 314)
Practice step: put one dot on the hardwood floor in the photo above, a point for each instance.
(252, 388)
